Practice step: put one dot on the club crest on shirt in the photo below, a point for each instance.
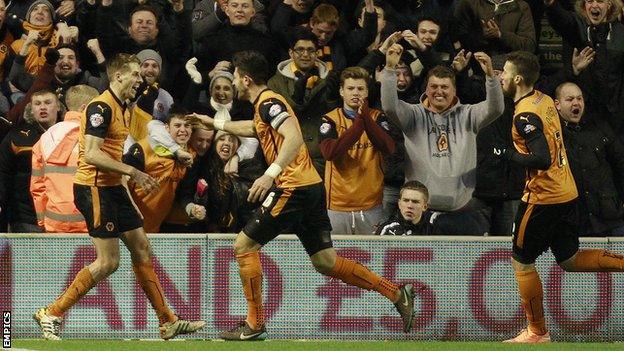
(96, 119)
(325, 127)
(442, 142)
(275, 110)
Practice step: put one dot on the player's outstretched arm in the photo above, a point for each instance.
(240, 128)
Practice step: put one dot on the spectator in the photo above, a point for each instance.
(444, 127)
(412, 217)
(210, 15)
(353, 139)
(153, 102)
(54, 162)
(16, 161)
(597, 162)
(335, 48)
(237, 35)
(495, 26)
(223, 106)
(216, 198)
(154, 206)
(595, 24)
(172, 41)
(41, 34)
(6, 39)
(178, 221)
(309, 87)
(290, 14)
(67, 72)
(499, 181)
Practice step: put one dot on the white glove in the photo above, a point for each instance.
(192, 70)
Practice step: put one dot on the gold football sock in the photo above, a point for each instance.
(251, 277)
(532, 295)
(353, 273)
(149, 282)
(597, 260)
(83, 282)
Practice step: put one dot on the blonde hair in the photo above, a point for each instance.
(612, 14)
(79, 96)
(120, 63)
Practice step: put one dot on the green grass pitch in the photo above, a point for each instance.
(279, 345)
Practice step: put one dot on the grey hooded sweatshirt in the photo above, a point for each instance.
(441, 148)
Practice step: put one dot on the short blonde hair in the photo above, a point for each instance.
(79, 96)
(120, 63)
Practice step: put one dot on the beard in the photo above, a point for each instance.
(511, 90)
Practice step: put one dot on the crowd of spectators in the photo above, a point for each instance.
(385, 92)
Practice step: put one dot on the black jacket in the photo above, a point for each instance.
(603, 81)
(497, 177)
(227, 41)
(15, 170)
(225, 199)
(173, 43)
(597, 162)
(397, 225)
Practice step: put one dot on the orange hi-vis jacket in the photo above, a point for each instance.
(54, 162)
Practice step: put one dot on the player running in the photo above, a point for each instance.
(547, 215)
(293, 198)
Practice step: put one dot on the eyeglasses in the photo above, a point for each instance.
(301, 51)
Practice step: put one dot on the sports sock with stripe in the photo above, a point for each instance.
(251, 277)
(149, 282)
(353, 273)
(83, 282)
(532, 296)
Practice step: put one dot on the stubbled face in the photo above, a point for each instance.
(150, 70)
(597, 10)
(412, 204)
(130, 80)
(570, 103)
(40, 15)
(222, 91)
(180, 130)
(240, 12)
(324, 32)
(303, 55)
(226, 146)
(45, 109)
(507, 79)
(67, 65)
(440, 93)
(143, 27)
(201, 140)
(241, 90)
(428, 32)
(404, 77)
(353, 92)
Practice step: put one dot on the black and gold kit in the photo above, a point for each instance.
(547, 215)
(99, 194)
(298, 202)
